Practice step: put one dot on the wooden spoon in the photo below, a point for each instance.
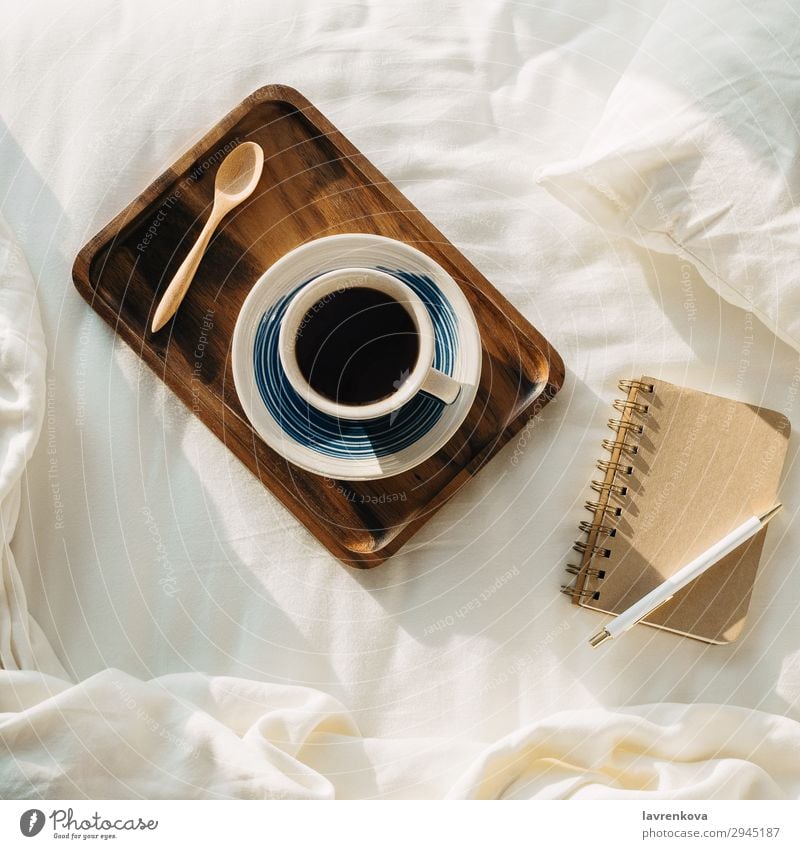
(236, 179)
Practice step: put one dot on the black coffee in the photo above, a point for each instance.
(356, 346)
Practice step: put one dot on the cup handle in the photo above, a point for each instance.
(441, 386)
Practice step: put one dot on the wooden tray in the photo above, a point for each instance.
(315, 183)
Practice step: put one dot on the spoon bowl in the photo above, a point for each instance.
(239, 173)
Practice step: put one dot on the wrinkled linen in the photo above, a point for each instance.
(193, 736)
(169, 630)
(22, 405)
(696, 153)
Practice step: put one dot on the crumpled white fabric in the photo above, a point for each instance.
(194, 736)
(22, 403)
(696, 153)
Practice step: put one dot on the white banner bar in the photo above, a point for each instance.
(400, 825)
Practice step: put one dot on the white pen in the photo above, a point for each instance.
(664, 592)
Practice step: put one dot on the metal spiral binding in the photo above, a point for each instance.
(588, 527)
(574, 569)
(616, 488)
(602, 507)
(621, 406)
(626, 425)
(582, 547)
(584, 592)
(612, 445)
(609, 465)
(627, 385)
(587, 573)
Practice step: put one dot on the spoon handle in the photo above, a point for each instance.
(179, 284)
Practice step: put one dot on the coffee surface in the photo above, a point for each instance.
(356, 346)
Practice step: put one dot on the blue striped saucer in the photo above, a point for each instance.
(340, 448)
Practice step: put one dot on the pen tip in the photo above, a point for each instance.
(765, 517)
(599, 637)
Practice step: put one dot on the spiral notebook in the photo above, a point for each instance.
(683, 470)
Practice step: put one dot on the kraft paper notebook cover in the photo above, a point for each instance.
(683, 470)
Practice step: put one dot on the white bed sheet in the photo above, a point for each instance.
(145, 546)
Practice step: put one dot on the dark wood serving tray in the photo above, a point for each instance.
(315, 183)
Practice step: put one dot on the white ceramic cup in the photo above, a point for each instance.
(423, 377)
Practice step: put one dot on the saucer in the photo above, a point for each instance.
(342, 448)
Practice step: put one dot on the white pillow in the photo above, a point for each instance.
(697, 152)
